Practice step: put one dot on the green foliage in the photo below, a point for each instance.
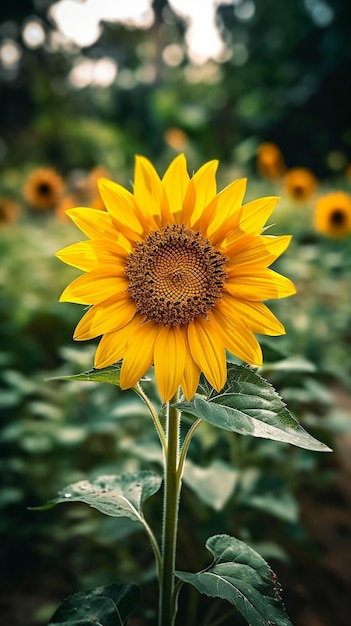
(240, 575)
(117, 496)
(60, 432)
(109, 374)
(249, 405)
(213, 484)
(108, 606)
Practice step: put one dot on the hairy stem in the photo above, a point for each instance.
(172, 483)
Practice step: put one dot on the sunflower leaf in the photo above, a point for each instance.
(241, 576)
(249, 405)
(117, 496)
(213, 484)
(110, 374)
(110, 605)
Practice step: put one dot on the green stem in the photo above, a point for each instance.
(172, 483)
(154, 546)
(139, 390)
(185, 447)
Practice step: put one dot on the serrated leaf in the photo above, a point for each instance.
(110, 374)
(213, 484)
(108, 606)
(117, 496)
(249, 405)
(241, 576)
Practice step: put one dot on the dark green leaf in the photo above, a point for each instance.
(117, 496)
(241, 576)
(107, 606)
(110, 374)
(249, 405)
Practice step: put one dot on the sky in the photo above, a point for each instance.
(81, 22)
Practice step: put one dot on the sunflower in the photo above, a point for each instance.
(300, 183)
(270, 161)
(97, 203)
(99, 171)
(332, 215)
(43, 188)
(175, 275)
(9, 210)
(66, 203)
(176, 138)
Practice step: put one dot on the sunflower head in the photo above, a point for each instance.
(270, 161)
(332, 215)
(175, 275)
(300, 184)
(43, 189)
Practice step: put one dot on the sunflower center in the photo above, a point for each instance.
(337, 217)
(299, 191)
(44, 189)
(175, 275)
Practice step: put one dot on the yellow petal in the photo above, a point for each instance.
(96, 286)
(105, 318)
(112, 345)
(121, 206)
(80, 255)
(176, 181)
(188, 204)
(107, 250)
(191, 375)
(260, 249)
(139, 354)
(256, 213)
(237, 338)
(89, 255)
(208, 352)
(225, 205)
(255, 314)
(251, 283)
(205, 188)
(190, 379)
(148, 190)
(95, 224)
(169, 359)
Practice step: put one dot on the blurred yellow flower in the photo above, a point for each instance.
(9, 210)
(66, 203)
(97, 203)
(300, 184)
(99, 171)
(43, 188)
(332, 215)
(176, 138)
(270, 161)
(176, 274)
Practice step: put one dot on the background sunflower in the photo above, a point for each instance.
(43, 189)
(300, 184)
(332, 214)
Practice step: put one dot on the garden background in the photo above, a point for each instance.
(84, 86)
